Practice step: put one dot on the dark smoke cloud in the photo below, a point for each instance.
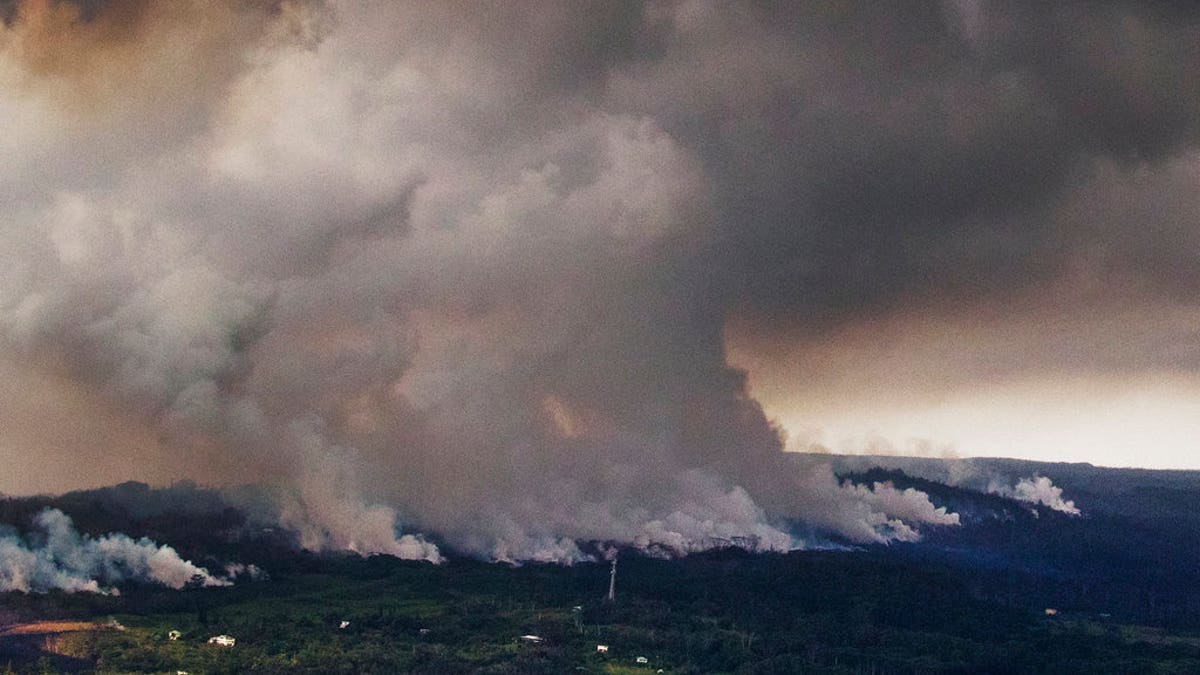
(885, 157)
(470, 269)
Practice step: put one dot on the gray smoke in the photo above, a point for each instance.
(446, 269)
(55, 556)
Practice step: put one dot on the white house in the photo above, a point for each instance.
(642, 659)
(223, 640)
(603, 649)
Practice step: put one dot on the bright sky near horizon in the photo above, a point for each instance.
(971, 387)
(1152, 424)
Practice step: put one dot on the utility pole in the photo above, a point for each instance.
(612, 581)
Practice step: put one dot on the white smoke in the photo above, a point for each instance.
(328, 512)
(876, 514)
(1037, 490)
(969, 473)
(904, 508)
(691, 513)
(55, 556)
(721, 519)
(235, 569)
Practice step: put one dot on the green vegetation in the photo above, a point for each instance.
(725, 612)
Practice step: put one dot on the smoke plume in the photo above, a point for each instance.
(992, 476)
(428, 276)
(55, 556)
(1038, 490)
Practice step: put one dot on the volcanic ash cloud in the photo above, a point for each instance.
(422, 275)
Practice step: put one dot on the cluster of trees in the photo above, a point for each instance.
(727, 611)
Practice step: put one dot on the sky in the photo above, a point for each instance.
(527, 274)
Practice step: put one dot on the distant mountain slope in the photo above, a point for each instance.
(1134, 550)
(1144, 495)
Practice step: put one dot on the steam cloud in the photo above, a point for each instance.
(432, 278)
(55, 556)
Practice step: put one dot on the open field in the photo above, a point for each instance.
(48, 628)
